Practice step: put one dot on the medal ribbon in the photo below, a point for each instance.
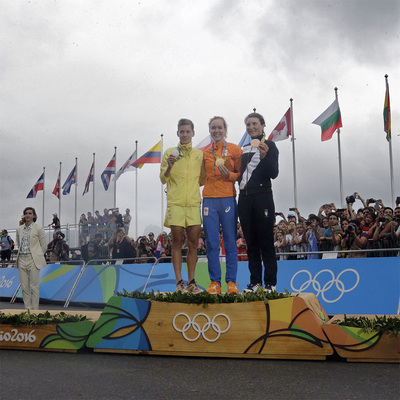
(184, 150)
(223, 151)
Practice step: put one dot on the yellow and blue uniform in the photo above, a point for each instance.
(183, 193)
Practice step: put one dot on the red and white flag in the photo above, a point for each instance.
(89, 179)
(39, 185)
(283, 130)
(205, 143)
(56, 190)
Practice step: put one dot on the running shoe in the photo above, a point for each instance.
(254, 288)
(180, 287)
(215, 288)
(270, 288)
(193, 288)
(232, 288)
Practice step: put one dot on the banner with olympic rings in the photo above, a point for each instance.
(343, 286)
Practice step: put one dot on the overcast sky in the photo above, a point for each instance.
(79, 77)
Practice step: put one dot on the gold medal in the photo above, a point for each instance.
(219, 161)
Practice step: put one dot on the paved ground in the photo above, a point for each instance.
(38, 375)
(46, 375)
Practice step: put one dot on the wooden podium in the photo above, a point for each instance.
(289, 328)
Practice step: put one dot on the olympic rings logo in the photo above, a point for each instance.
(201, 331)
(321, 290)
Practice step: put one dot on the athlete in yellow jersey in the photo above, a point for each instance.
(183, 172)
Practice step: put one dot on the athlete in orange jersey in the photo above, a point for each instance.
(222, 163)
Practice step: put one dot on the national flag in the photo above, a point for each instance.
(329, 121)
(127, 166)
(110, 170)
(69, 181)
(205, 143)
(56, 190)
(387, 119)
(284, 128)
(246, 139)
(39, 185)
(89, 179)
(153, 156)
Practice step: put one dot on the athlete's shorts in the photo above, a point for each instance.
(182, 216)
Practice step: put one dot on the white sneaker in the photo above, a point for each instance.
(254, 288)
(270, 288)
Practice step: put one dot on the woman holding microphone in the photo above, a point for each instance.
(222, 164)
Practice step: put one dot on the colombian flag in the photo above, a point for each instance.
(153, 156)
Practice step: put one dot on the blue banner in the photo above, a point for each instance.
(57, 281)
(9, 281)
(344, 285)
(100, 282)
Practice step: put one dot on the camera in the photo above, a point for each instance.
(350, 199)
(382, 219)
(350, 229)
(371, 201)
(292, 209)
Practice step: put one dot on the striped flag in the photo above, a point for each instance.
(387, 120)
(89, 179)
(153, 156)
(39, 185)
(110, 170)
(127, 166)
(205, 143)
(329, 121)
(69, 181)
(246, 139)
(56, 190)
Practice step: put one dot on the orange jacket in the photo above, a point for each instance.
(216, 185)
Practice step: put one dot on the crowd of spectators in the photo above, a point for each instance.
(332, 230)
(328, 233)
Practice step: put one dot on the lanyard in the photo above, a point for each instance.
(223, 151)
(183, 152)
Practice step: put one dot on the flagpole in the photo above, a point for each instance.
(59, 196)
(136, 194)
(76, 201)
(294, 153)
(44, 178)
(390, 144)
(162, 191)
(93, 207)
(340, 159)
(115, 181)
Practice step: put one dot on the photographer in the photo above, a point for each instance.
(58, 248)
(354, 239)
(122, 245)
(93, 249)
(382, 236)
(326, 209)
(350, 200)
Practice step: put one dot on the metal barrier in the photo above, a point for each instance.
(112, 261)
